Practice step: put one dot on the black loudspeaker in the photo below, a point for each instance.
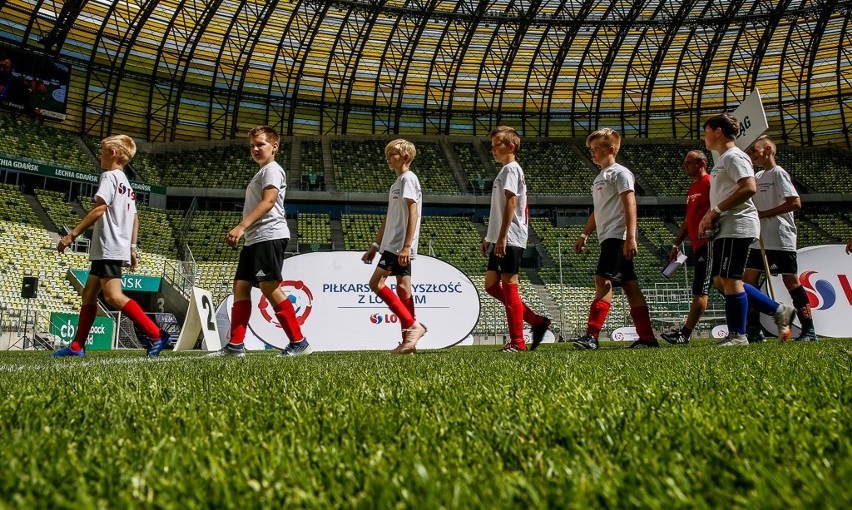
(29, 287)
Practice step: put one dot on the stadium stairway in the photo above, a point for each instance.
(546, 298)
(39, 211)
(77, 208)
(337, 239)
(546, 259)
(456, 169)
(328, 165)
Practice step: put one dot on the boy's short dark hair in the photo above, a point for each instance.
(506, 134)
(269, 131)
(728, 123)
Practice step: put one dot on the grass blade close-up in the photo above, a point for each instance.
(766, 426)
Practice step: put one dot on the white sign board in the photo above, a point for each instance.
(752, 120)
(337, 311)
(826, 274)
(200, 319)
(625, 334)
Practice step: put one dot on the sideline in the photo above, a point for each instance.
(54, 364)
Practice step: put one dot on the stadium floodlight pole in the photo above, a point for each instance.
(766, 268)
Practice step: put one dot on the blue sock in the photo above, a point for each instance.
(759, 301)
(736, 312)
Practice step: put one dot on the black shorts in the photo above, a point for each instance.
(780, 262)
(261, 261)
(106, 268)
(390, 262)
(728, 256)
(612, 265)
(701, 271)
(510, 264)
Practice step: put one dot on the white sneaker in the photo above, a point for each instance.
(230, 350)
(733, 340)
(783, 317)
(412, 336)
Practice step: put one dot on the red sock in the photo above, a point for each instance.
(84, 324)
(597, 316)
(530, 317)
(134, 311)
(286, 315)
(240, 313)
(409, 304)
(514, 314)
(642, 321)
(396, 306)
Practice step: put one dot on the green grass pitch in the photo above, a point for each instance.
(766, 426)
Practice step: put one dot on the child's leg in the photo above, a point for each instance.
(116, 298)
(514, 309)
(240, 312)
(495, 289)
(377, 284)
(800, 302)
(599, 309)
(283, 308)
(639, 310)
(403, 291)
(88, 312)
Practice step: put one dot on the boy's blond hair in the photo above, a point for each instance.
(609, 137)
(124, 146)
(403, 147)
(506, 134)
(272, 135)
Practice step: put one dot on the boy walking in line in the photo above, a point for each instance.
(733, 218)
(397, 241)
(113, 246)
(776, 200)
(697, 205)
(506, 240)
(614, 219)
(264, 226)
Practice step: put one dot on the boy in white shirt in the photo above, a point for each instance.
(397, 241)
(506, 240)
(776, 200)
(113, 246)
(264, 226)
(732, 221)
(614, 220)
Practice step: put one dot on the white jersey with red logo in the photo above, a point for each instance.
(510, 178)
(114, 230)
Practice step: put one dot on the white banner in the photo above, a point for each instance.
(337, 310)
(826, 274)
(752, 120)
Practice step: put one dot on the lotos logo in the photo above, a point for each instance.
(300, 297)
(821, 295)
(387, 318)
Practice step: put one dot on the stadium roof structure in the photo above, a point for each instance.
(167, 70)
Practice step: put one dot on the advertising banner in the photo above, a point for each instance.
(64, 325)
(337, 310)
(129, 282)
(19, 164)
(826, 274)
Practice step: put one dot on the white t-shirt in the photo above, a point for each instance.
(406, 187)
(273, 225)
(114, 230)
(510, 178)
(607, 188)
(740, 221)
(774, 186)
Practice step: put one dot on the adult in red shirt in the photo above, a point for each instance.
(697, 205)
